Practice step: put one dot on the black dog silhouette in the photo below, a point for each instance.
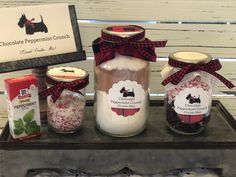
(67, 71)
(127, 93)
(193, 99)
(30, 27)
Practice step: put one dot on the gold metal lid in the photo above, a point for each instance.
(123, 31)
(191, 57)
(66, 74)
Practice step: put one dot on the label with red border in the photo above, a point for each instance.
(126, 95)
(193, 101)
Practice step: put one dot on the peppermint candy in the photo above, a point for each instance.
(196, 82)
(66, 114)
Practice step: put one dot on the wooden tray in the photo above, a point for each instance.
(220, 134)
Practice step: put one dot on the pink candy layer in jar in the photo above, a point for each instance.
(66, 114)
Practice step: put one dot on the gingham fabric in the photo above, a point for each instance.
(57, 87)
(29, 23)
(210, 67)
(107, 45)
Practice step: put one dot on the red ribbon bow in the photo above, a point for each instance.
(107, 45)
(29, 23)
(57, 88)
(210, 67)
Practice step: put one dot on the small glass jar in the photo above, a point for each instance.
(188, 103)
(122, 90)
(66, 113)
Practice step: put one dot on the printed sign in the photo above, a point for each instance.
(35, 31)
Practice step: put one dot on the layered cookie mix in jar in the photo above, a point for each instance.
(122, 56)
(66, 98)
(189, 80)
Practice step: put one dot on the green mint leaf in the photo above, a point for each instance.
(29, 116)
(18, 123)
(33, 122)
(18, 131)
(32, 128)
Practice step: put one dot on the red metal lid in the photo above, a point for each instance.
(123, 31)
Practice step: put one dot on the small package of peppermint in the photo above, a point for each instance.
(23, 107)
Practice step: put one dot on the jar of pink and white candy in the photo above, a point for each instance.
(66, 100)
(189, 79)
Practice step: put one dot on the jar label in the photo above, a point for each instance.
(126, 95)
(193, 101)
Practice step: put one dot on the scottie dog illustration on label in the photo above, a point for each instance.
(192, 99)
(127, 93)
(30, 27)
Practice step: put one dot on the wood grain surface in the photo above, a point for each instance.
(160, 10)
(217, 40)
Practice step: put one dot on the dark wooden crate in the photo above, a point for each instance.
(220, 133)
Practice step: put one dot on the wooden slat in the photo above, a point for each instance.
(217, 52)
(162, 10)
(217, 40)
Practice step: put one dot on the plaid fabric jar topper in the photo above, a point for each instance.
(210, 67)
(58, 87)
(138, 46)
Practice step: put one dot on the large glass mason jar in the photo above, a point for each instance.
(122, 56)
(189, 79)
(66, 98)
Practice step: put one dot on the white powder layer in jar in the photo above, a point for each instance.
(114, 124)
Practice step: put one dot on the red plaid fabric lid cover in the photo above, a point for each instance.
(65, 78)
(186, 67)
(126, 40)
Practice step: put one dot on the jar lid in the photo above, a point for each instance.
(123, 31)
(191, 57)
(66, 74)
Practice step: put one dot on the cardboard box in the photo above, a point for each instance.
(23, 107)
